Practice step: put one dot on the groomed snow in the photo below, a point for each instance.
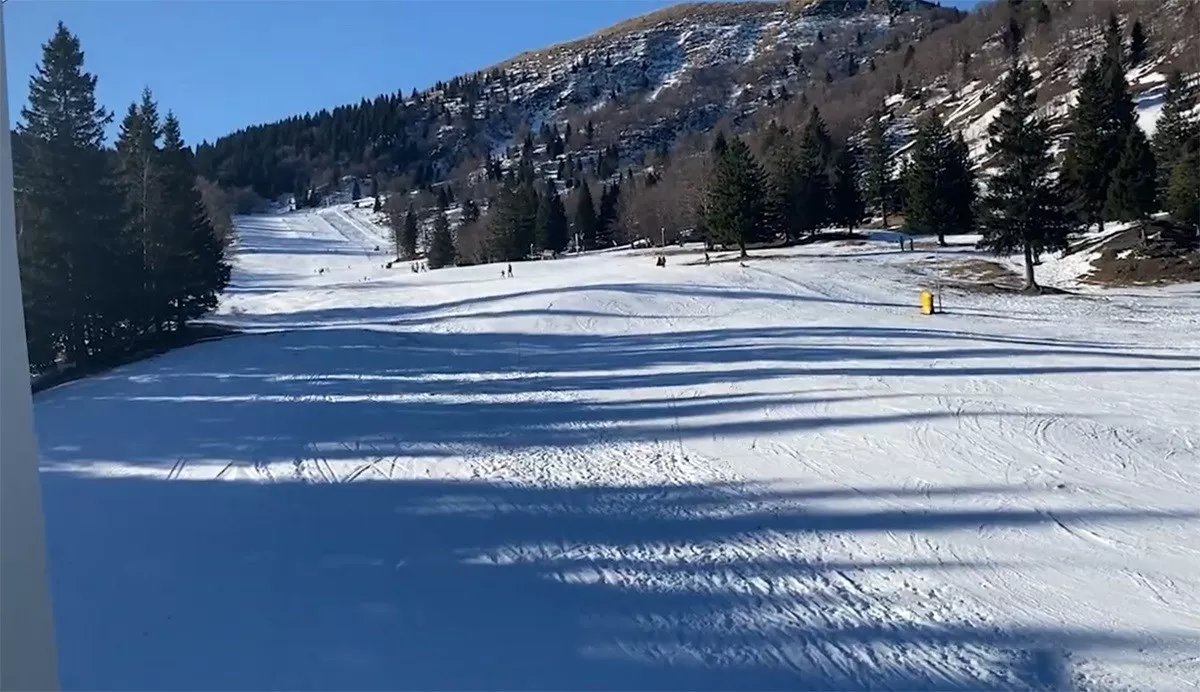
(600, 474)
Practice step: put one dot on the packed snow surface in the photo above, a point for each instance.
(600, 474)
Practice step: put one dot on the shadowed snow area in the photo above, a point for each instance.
(600, 474)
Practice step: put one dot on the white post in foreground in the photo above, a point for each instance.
(27, 655)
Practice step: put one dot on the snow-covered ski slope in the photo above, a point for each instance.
(600, 474)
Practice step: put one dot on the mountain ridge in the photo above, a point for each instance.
(658, 84)
(473, 116)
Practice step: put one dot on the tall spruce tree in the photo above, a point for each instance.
(737, 204)
(815, 154)
(514, 221)
(441, 243)
(71, 218)
(585, 218)
(139, 178)
(788, 185)
(958, 186)
(1022, 210)
(197, 271)
(816, 136)
(1173, 129)
(1183, 190)
(1085, 175)
(553, 230)
(1137, 44)
(799, 179)
(877, 178)
(606, 217)
(408, 234)
(940, 191)
(1114, 47)
(1101, 120)
(1132, 193)
(846, 203)
(921, 181)
(720, 143)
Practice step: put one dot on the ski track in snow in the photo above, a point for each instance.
(600, 474)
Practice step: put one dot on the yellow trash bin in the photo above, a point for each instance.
(926, 303)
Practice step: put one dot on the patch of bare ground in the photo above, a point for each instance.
(976, 275)
(981, 276)
(1152, 254)
(726, 254)
(845, 237)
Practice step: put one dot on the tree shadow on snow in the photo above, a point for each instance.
(296, 396)
(455, 585)
(468, 585)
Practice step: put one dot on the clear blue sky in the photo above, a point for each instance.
(224, 64)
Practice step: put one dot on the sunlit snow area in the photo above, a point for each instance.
(602, 474)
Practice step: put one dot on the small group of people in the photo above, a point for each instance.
(508, 273)
(660, 261)
(418, 267)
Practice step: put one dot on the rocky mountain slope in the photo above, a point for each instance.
(655, 86)
(641, 84)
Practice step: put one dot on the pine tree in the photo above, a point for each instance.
(924, 211)
(1120, 110)
(441, 243)
(194, 257)
(408, 235)
(846, 205)
(940, 194)
(1183, 190)
(1174, 129)
(958, 187)
(513, 224)
(1089, 156)
(70, 211)
(720, 144)
(788, 184)
(553, 230)
(1022, 210)
(1137, 44)
(805, 205)
(585, 218)
(1131, 195)
(737, 205)
(1101, 120)
(1013, 34)
(606, 218)
(816, 138)
(877, 182)
(138, 177)
(1114, 48)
